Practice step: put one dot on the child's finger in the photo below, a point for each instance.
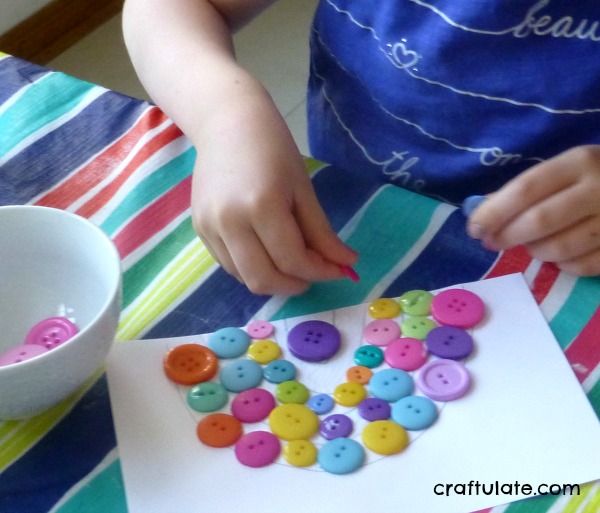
(218, 251)
(548, 216)
(570, 243)
(585, 265)
(520, 194)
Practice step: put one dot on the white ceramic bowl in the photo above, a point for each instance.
(53, 263)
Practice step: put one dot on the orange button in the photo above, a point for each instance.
(189, 364)
(219, 430)
(359, 374)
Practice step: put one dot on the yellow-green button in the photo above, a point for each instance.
(417, 327)
(416, 302)
(292, 392)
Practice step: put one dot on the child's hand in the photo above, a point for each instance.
(255, 208)
(553, 209)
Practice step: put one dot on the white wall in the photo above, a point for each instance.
(13, 12)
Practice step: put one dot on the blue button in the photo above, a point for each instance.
(229, 342)
(391, 384)
(279, 371)
(321, 403)
(241, 375)
(341, 456)
(414, 412)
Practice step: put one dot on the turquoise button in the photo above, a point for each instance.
(321, 403)
(207, 397)
(414, 412)
(241, 375)
(279, 371)
(341, 456)
(417, 327)
(391, 384)
(229, 342)
(368, 356)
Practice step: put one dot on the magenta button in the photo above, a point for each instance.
(252, 405)
(260, 329)
(51, 332)
(20, 354)
(406, 353)
(257, 449)
(444, 380)
(457, 307)
(381, 332)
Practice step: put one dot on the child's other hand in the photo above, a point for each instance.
(254, 206)
(552, 208)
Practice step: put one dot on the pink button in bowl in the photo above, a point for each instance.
(406, 353)
(257, 449)
(457, 307)
(253, 405)
(20, 354)
(51, 332)
(260, 329)
(381, 332)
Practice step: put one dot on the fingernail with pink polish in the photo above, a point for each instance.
(349, 273)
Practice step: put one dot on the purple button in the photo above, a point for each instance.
(20, 354)
(314, 341)
(51, 332)
(449, 342)
(444, 380)
(336, 426)
(373, 409)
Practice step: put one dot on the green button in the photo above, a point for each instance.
(368, 356)
(207, 396)
(416, 302)
(417, 327)
(292, 392)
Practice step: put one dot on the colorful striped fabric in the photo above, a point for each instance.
(124, 165)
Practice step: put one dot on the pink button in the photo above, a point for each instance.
(444, 380)
(381, 332)
(257, 449)
(260, 329)
(457, 307)
(51, 332)
(406, 353)
(253, 405)
(20, 354)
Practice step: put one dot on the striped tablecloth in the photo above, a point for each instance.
(123, 164)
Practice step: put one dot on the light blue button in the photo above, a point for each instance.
(321, 403)
(241, 375)
(229, 342)
(391, 384)
(341, 456)
(279, 371)
(206, 397)
(414, 412)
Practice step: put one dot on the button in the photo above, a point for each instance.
(406, 353)
(372, 409)
(368, 356)
(253, 405)
(341, 456)
(264, 351)
(219, 430)
(229, 342)
(385, 437)
(279, 371)
(257, 449)
(241, 375)
(414, 412)
(207, 397)
(21, 353)
(384, 308)
(321, 403)
(457, 307)
(416, 302)
(300, 453)
(189, 364)
(336, 426)
(391, 384)
(381, 332)
(292, 392)
(349, 394)
(359, 374)
(444, 380)
(314, 341)
(260, 329)
(51, 332)
(417, 327)
(449, 342)
(293, 422)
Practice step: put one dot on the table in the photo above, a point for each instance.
(124, 165)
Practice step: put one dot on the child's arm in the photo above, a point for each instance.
(553, 208)
(252, 202)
